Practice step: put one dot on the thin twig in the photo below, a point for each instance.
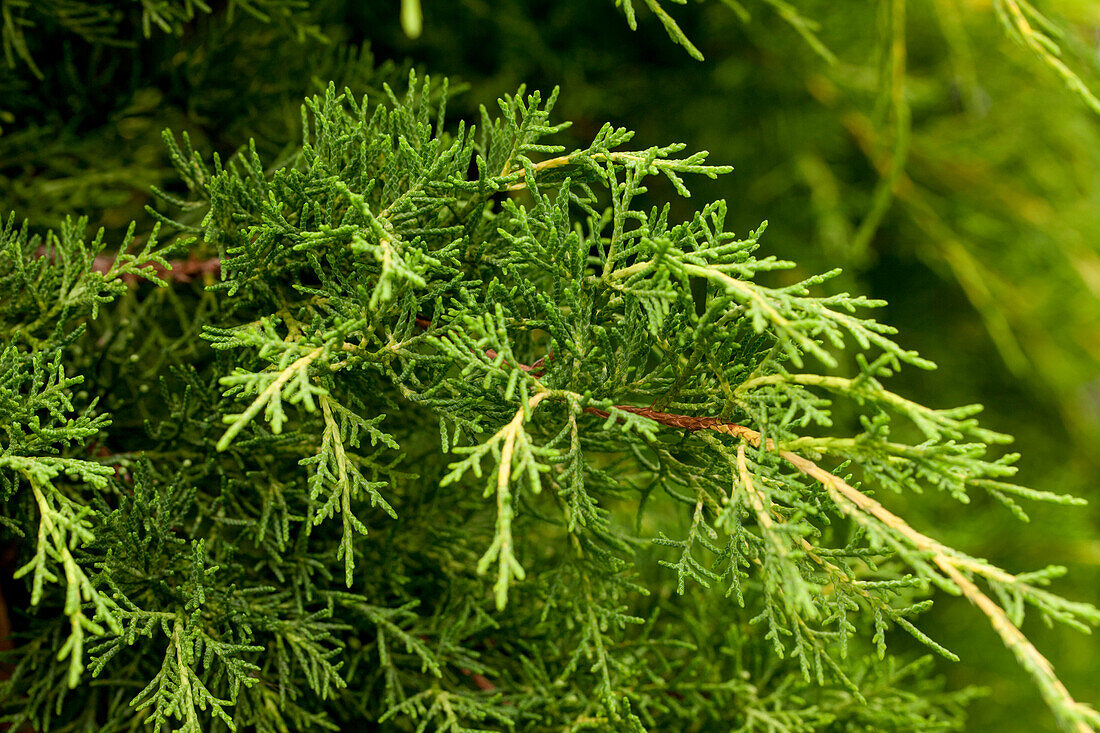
(564, 160)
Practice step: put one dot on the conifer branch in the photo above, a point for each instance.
(957, 568)
(1027, 26)
(509, 441)
(650, 165)
(269, 388)
(391, 269)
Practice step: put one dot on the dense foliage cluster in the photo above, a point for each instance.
(432, 423)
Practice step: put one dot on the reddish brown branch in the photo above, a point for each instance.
(480, 680)
(180, 271)
(672, 420)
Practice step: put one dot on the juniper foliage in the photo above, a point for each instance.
(116, 22)
(458, 435)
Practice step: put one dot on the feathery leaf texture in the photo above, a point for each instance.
(585, 475)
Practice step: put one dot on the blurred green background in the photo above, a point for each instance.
(923, 146)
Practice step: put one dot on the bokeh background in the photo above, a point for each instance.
(945, 153)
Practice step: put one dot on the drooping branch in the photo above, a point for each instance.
(863, 509)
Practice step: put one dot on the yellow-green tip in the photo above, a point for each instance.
(412, 19)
